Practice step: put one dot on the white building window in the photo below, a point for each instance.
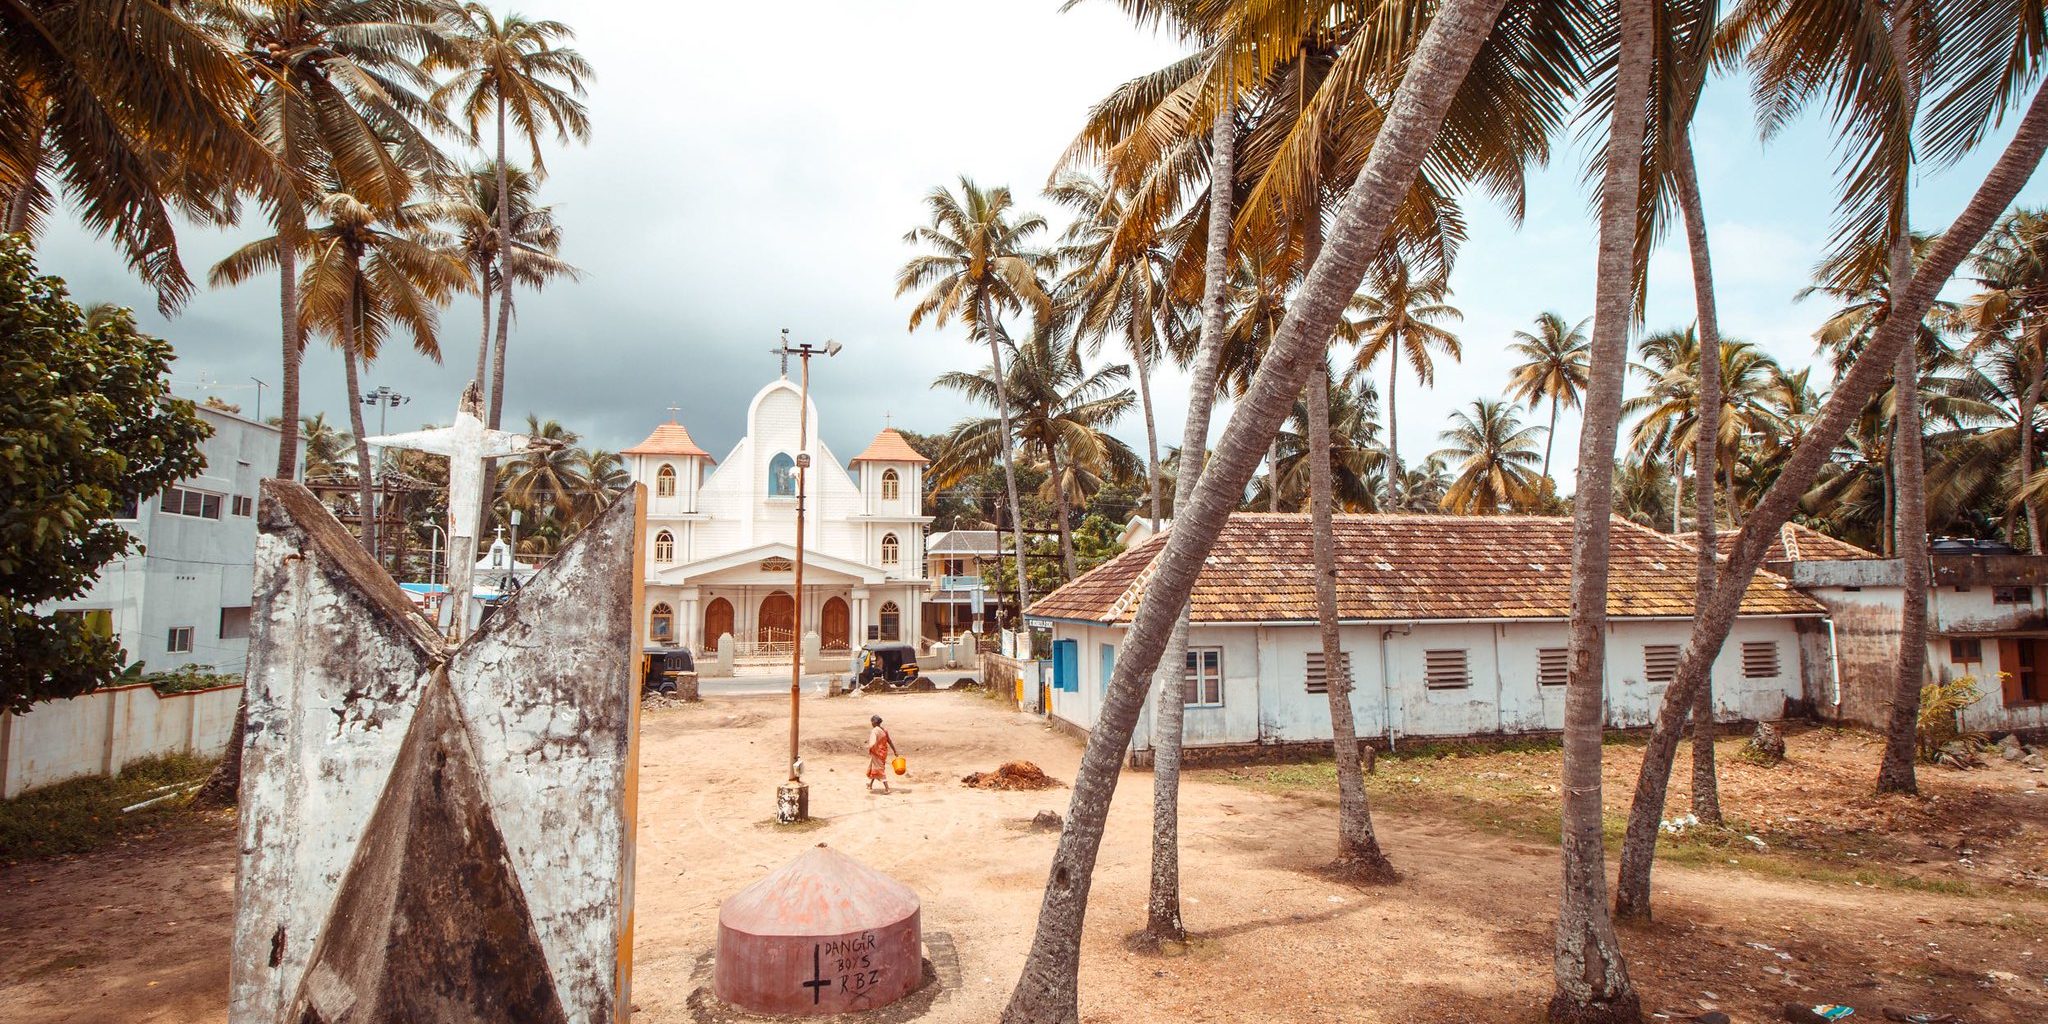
(1553, 666)
(892, 621)
(1760, 659)
(664, 547)
(234, 623)
(661, 624)
(1318, 679)
(1202, 684)
(1446, 669)
(1660, 663)
(892, 552)
(182, 501)
(180, 640)
(243, 505)
(892, 485)
(665, 482)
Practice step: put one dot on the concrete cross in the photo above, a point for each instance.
(466, 444)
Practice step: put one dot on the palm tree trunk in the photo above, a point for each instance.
(1865, 376)
(367, 511)
(1046, 989)
(1358, 849)
(2028, 403)
(1059, 504)
(288, 386)
(1591, 976)
(1887, 531)
(1706, 460)
(1549, 438)
(486, 286)
(497, 402)
(1273, 474)
(1163, 919)
(1152, 478)
(1393, 438)
(1677, 490)
(1895, 772)
(995, 354)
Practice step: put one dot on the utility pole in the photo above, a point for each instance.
(793, 798)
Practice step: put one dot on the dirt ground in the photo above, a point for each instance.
(140, 933)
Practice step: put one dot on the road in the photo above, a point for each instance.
(814, 683)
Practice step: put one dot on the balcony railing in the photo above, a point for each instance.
(959, 583)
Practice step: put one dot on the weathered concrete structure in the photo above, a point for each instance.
(823, 934)
(434, 832)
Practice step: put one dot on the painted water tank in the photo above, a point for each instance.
(823, 934)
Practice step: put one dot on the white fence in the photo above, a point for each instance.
(100, 732)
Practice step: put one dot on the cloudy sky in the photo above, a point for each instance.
(733, 190)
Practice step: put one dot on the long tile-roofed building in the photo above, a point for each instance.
(1395, 568)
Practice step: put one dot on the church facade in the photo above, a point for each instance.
(721, 536)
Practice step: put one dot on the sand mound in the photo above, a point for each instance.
(1012, 775)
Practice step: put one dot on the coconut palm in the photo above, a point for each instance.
(1493, 453)
(133, 110)
(1400, 318)
(1670, 411)
(604, 477)
(469, 208)
(2008, 316)
(1062, 414)
(513, 70)
(339, 101)
(544, 482)
(328, 454)
(982, 267)
(1356, 458)
(1553, 370)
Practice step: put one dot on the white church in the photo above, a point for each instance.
(721, 543)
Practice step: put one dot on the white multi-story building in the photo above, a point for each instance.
(721, 535)
(183, 597)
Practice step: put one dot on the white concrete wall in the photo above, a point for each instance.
(1266, 699)
(100, 732)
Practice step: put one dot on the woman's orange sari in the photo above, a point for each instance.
(878, 753)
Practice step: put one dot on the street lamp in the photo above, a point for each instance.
(793, 798)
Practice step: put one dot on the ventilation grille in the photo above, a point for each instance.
(1660, 663)
(1760, 659)
(1445, 669)
(1318, 680)
(1553, 665)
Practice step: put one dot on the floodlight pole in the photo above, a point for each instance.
(793, 798)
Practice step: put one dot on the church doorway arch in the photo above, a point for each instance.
(777, 624)
(834, 632)
(717, 621)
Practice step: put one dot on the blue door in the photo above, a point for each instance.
(1066, 665)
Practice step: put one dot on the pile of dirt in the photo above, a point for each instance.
(1012, 775)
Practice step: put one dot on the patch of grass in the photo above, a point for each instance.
(85, 814)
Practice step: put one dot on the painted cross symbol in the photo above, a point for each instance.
(817, 984)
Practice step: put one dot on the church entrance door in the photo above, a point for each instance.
(833, 630)
(778, 619)
(717, 622)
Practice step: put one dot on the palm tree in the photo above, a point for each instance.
(365, 273)
(512, 69)
(1400, 318)
(1553, 369)
(1061, 413)
(470, 209)
(1494, 453)
(2009, 315)
(133, 110)
(338, 100)
(544, 482)
(328, 454)
(1356, 457)
(982, 268)
(1671, 412)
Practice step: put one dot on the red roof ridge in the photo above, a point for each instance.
(670, 438)
(890, 446)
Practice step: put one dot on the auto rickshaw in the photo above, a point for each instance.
(889, 664)
(659, 667)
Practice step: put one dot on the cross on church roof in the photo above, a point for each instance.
(672, 411)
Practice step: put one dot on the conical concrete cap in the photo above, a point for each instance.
(821, 934)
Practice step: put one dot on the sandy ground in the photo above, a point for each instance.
(140, 934)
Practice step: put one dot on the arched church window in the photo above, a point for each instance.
(664, 547)
(661, 625)
(892, 622)
(891, 551)
(665, 482)
(892, 485)
(782, 476)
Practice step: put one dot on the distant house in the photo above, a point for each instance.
(1138, 529)
(1451, 626)
(183, 598)
(1985, 620)
(960, 564)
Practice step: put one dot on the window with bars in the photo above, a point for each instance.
(2012, 595)
(664, 547)
(1446, 669)
(1318, 679)
(892, 552)
(665, 482)
(1660, 663)
(1202, 684)
(1553, 665)
(1760, 659)
(1965, 650)
(892, 485)
(180, 501)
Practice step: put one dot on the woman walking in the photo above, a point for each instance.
(880, 746)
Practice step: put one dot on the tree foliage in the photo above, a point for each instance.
(87, 427)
